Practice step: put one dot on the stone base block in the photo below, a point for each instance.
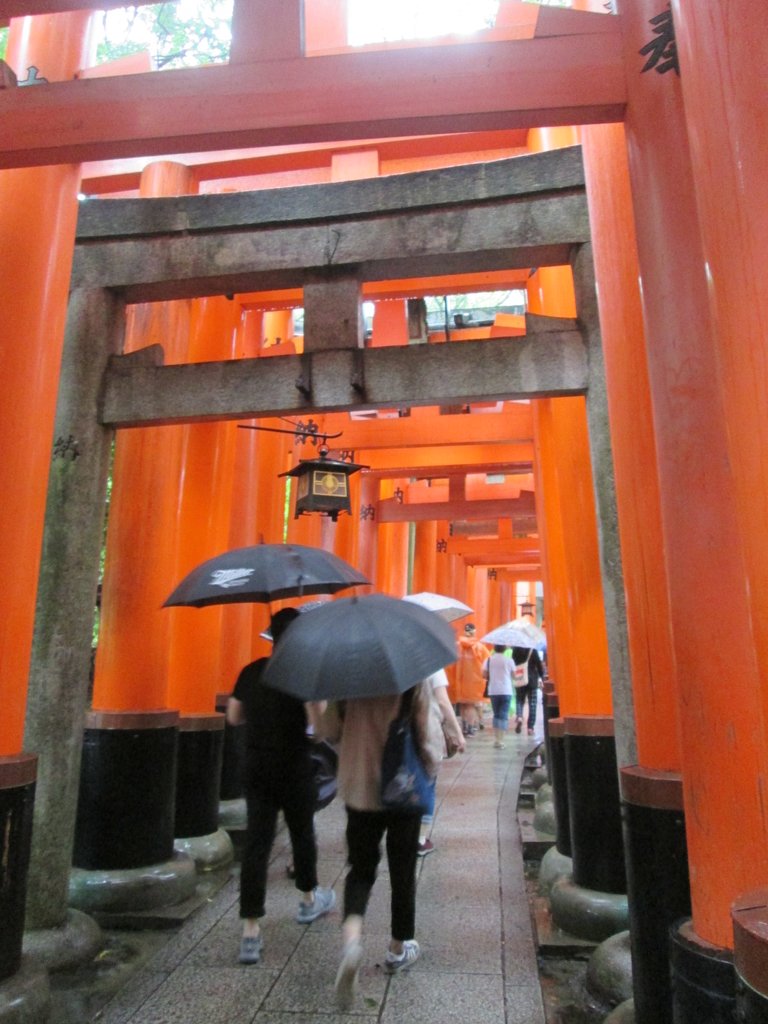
(25, 997)
(624, 1013)
(132, 889)
(76, 942)
(609, 971)
(544, 817)
(553, 865)
(213, 852)
(587, 912)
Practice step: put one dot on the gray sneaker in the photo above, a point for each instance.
(250, 949)
(323, 901)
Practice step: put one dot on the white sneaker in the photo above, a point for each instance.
(394, 963)
(346, 976)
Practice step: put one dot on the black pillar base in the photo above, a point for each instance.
(198, 775)
(703, 979)
(750, 932)
(559, 779)
(657, 882)
(597, 845)
(125, 811)
(17, 796)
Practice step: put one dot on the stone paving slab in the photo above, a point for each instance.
(478, 963)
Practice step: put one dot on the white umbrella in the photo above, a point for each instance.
(448, 608)
(516, 633)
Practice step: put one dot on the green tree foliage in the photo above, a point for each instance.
(185, 33)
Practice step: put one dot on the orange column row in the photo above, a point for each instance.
(37, 232)
(700, 404)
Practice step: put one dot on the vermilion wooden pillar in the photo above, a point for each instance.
(390, 323)
(273, 456)
(203, 520)
(584, 687)
(236, 644)
(37, 231)
(425, 556)
(346, 539)
(367, 531)
(703, 510)
(202, 530)
(723, 107)
(392, 569)
(443, 572)
(654, 823)
(142, 519)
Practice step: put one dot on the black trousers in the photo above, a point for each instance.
(270, 788)
(531, 693)
(365, 830)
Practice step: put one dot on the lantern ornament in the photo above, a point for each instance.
(322, 485)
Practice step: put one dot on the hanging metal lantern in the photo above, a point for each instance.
(322, 485)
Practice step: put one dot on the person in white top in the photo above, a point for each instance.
(454, 740)
(499, 671)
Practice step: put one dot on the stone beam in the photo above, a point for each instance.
(526, 232)
(546, 365)
(558, 171)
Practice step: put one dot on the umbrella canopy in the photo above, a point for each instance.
(266, 634)
(359, 647)
(447, 608)
(516, 633)
(264, 572)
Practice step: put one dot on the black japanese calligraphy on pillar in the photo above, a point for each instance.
(661, 51)
(367, 512)
(442, 546)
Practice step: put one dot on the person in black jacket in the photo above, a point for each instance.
(534, 672)
(278, 776)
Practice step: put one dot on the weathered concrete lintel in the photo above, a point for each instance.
(548, 173)
(550, 365)
(530, 231)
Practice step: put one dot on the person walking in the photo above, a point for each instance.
(500, 670)
(468, 682)
(528, 672)
(366, 723)
(454, 743)
(278, 776)
(531, 692)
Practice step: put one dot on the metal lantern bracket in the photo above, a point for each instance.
(321, 483)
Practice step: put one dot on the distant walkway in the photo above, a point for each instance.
(478, 963)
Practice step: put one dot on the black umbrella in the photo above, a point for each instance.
(264, 572)
(359, 647)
